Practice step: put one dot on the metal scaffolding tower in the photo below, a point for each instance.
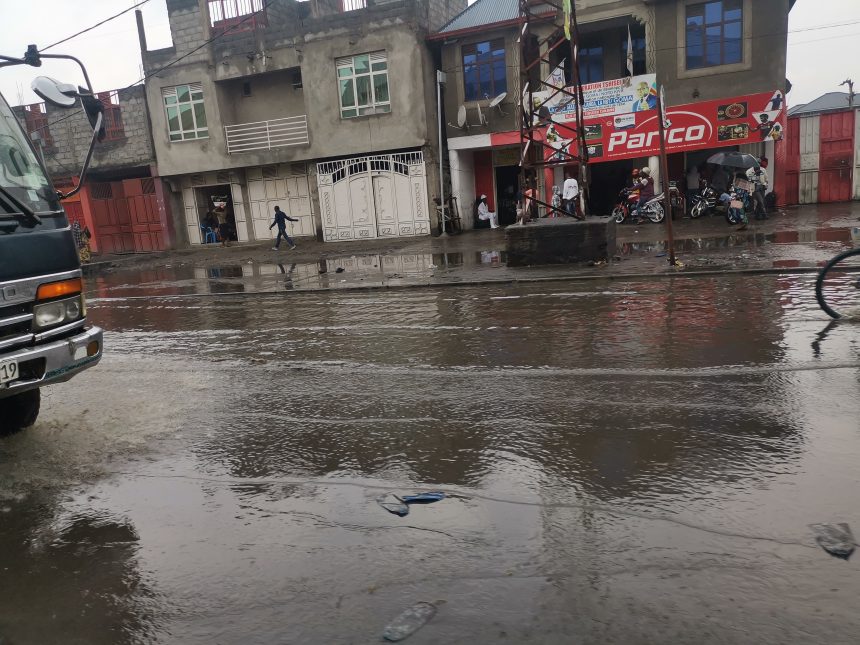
(542, 32)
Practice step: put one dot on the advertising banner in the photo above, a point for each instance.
(606, 98)
(694, 126)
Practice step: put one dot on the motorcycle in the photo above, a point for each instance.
(627, 200)
(704, 202)
(676, 198)
(653, 209)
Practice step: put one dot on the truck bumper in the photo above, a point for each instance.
(53, 362)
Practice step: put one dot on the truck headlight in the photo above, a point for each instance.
(58, 312)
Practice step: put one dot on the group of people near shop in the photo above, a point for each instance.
(564, 202)
(732, 185)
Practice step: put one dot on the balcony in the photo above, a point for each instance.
(267, 135)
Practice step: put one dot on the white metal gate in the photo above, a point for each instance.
(374, 196)
(284, 185)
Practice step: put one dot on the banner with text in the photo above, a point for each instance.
(694, 126)
(606, 98)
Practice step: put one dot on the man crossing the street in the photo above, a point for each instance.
(281, 219)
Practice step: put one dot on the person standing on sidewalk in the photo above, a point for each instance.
(570, 193)
(281, 220)
(757, 175)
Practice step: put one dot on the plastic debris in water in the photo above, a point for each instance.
(836, 539)
(393, 504)
(400, 505)
(339, 270)
(424, 498)
(409, 622)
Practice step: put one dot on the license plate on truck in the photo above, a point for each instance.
(8, 371)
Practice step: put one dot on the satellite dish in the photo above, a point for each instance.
(497, 102)
(54, 92)
(461, 119)
(481, 119)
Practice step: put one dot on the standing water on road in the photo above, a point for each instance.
(633, 461)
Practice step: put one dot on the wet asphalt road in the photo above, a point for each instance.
(630, 462)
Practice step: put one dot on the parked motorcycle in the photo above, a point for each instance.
(627, 200)
(676, 198)
(704, 202)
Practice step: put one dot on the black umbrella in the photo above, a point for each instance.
(733, 160)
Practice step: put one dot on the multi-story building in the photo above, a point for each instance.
(123, 201)
(721, 62)
(326, 108)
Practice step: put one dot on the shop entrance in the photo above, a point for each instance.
(215, 203)
(507, 181)
(607, 180)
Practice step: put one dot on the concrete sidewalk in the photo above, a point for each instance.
(798, 239)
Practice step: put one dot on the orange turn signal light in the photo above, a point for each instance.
(93, 348)
(57, 289)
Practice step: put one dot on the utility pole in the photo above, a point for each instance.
(441, 77)
(664, 175)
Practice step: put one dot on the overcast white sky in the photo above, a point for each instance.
(818, 59)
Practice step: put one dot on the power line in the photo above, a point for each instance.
(98, 24)
(170, 64)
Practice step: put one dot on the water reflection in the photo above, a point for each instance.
(452, 387)
(71, 574)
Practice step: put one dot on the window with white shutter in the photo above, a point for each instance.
(363, 85)
(186, 113)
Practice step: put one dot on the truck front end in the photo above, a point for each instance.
(44, 334)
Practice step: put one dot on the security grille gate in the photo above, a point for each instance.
(373, 196)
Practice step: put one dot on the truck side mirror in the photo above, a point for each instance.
(64, 95)
(52, 91)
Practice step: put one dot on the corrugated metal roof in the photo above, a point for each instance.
(824, 103)
(483, 12)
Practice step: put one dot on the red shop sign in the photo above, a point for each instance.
(695, 126)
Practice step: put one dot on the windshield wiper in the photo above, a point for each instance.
(20, 211)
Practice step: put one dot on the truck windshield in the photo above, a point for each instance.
(22, 176)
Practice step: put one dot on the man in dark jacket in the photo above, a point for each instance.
(281, 220)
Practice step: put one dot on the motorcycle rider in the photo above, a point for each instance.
(646, 190)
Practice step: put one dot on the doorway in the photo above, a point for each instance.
(219, 200)
(507, 180)
(606, 181)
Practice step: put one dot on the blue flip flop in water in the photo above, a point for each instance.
(424, 498)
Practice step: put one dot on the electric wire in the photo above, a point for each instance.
(98, 24)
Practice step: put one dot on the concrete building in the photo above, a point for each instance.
(721, 62)
(326, 108)
(123, 201)
(823, 163)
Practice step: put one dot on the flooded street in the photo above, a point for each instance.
(624, 461)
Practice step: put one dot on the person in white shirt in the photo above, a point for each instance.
(757, 175)
(570, 192)
(484, 213)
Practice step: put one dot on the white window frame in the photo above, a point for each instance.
(377, 66)
(170, 98)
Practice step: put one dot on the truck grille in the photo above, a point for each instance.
(16, 322)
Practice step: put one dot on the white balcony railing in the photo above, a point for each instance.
(265, 135)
